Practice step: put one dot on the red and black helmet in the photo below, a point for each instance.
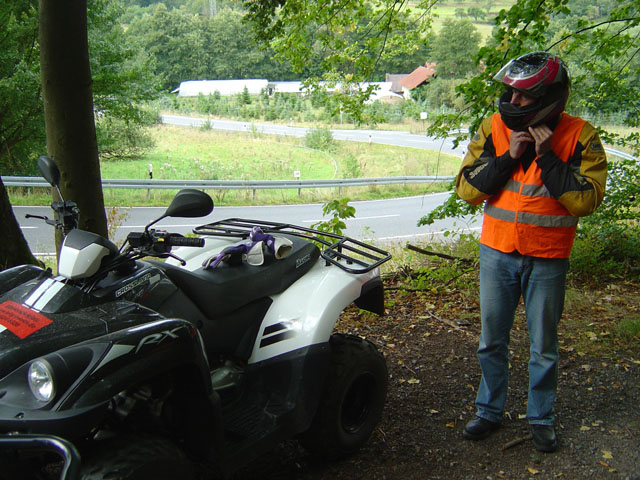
(540, 75)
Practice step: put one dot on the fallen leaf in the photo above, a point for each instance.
(584, 428)
(586, 367)
(533, 471)
(606, 454)
(604, 464)
(451, 424)
(413, 380)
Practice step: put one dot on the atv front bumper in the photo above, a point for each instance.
(46, 443)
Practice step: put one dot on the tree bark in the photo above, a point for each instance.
(68, 107)
(15, 250)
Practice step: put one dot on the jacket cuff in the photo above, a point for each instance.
(548, 161)
(505, 163)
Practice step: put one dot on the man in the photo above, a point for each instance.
(538, 169)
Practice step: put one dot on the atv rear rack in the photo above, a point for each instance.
(344, 252)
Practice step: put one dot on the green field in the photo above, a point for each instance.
(444, 10)
(194, 154)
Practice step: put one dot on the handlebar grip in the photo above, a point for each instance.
(186, 241)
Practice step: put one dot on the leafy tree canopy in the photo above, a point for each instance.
(122, 78)
(21, 120)
(352, 38)
(455, 48)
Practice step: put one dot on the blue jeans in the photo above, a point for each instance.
(504, 278)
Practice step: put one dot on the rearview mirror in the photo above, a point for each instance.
(190, 203)
(49, 170)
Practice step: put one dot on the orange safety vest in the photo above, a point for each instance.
(524, 216)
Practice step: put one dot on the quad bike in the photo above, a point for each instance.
(171, 352)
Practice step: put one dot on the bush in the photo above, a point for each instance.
(608, 241)
(319, 139)
(122, 140)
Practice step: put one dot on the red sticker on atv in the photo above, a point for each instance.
(21, 320)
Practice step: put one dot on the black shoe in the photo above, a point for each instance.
(479, 428)
(544, 438)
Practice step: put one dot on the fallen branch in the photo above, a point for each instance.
(437, 254)
(515, 442)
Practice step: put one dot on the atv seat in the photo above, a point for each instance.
(228, 287)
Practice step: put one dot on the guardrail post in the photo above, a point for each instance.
(150, 178)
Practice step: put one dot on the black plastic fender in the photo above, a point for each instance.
(12, 277)
(91, 373)
(139, 353)
(372, 296)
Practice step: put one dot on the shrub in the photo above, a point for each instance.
(608, 241)
(319, 139)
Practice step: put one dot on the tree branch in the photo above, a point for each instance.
(437, 254)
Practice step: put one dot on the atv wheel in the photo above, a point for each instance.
(353, 398)
(137, 458)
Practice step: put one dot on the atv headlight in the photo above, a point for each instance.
(41, 380)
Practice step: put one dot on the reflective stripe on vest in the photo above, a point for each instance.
(531, 218)
(524, 216)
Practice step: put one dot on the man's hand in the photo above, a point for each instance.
(518, 143)
(542, 135)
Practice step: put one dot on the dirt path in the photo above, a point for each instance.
(429, 341)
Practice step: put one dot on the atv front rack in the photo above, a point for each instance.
(346, 253)
(70, 469)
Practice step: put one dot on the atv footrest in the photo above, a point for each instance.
(246, 418)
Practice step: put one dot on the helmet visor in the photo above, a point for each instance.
(527, 77)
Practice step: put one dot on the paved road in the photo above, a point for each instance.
(404, 139)
(388, 221)
(393, 220)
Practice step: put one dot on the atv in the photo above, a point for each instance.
(177, 355)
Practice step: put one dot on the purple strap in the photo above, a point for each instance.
(243, 247)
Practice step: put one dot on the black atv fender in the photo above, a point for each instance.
(372, 296)
(12, 277)
(90, 374)
(161, 352)
(140, 353)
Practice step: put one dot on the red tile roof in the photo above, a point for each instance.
(418, 76)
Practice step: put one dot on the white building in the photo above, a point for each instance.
(193, 88)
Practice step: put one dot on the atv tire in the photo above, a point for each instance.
(352, 401)
(137, 458)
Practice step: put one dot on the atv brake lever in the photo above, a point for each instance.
(177, 258)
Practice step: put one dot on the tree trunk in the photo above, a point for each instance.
(15, 250)
(68, 107)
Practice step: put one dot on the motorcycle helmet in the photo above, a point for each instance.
(540, 75)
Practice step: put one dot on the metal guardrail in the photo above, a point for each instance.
(237, 184)
(258, 184)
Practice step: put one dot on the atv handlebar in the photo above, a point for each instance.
(66, 218)
(175, 241)
(158, 243)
